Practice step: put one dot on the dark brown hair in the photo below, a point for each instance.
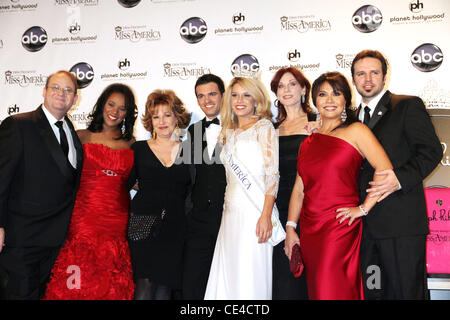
(301, 79)
(370, 54)
(339, 84)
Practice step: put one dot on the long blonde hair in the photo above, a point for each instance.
(258, 92)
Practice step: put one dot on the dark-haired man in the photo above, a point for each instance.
(40, 165)
(394, 233)
(208, 191)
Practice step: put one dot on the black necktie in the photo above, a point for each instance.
(63, 138)
(208, 123)
(366, 115)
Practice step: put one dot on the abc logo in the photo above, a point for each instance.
(129, 3)
(367, 19)
(34, 39)
(244, 65)
(427, 57)
(193, 30)
(84, 73)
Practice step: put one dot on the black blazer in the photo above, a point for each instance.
(208, 176)
(37, 182)
(403, 127)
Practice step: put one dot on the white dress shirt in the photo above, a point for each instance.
(72, 156)
(212, 135)
(372, 105)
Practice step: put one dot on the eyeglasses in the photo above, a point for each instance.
(64, 91)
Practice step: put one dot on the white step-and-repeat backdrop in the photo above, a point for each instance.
(151, 44)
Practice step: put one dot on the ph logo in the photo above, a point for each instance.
(367, 19)
(84, 73)
(427, 57)
(128, 3)
(294, 56)
(238, 18)
(75, 28)
(12, 110)
(415, 6)
(246, 65)
(34, 39)
(193, 30)
(124, 65)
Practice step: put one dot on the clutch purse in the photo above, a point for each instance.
(296, 263)
(145, 226)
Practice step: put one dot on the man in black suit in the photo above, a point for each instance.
(394, 232)
(208, 190)
(40, 164)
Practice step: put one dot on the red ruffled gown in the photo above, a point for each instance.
(329, 168)
(94, 262)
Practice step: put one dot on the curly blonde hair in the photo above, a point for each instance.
(167, 98)
(258, 92)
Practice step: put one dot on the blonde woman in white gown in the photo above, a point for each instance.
(242, 262)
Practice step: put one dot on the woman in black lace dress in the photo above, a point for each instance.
(294, 117)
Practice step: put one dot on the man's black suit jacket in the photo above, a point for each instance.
(403, 127)
(37, 182)
(209, 183)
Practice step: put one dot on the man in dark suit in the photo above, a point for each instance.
(40, 164)
(208, 190)
(394, 232)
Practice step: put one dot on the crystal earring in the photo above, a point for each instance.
(319, 119)
(123, 127)
(344, 115)
(303, 99)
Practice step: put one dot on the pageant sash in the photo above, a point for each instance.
(255, 193)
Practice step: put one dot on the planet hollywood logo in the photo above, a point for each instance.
(17, 6)
(84, 73)
(344, 61)
(427, 57)
(34, 39)
(136, 33)
(294, 56)
(74, 3)
(416, 7)
(13, 109)
(128, 3)
(246, 65)
(24, 78)
(184, 70)
(125, 73)
(238, 19)
(367, 19)
(75, 37)
(193, 30)
(304, 24)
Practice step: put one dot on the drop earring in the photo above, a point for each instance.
(303, 99)
(319, 119)
(344, 115)
(123, 127)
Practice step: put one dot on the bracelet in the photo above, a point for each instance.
(291, 224)
(364, 212)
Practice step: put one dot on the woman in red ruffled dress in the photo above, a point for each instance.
(94, 263)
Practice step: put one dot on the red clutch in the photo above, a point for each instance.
(296, 263)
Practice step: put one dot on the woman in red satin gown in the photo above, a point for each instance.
(94, 263)
(325, 194)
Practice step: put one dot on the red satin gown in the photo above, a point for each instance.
(329, 168)
(94, 263)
